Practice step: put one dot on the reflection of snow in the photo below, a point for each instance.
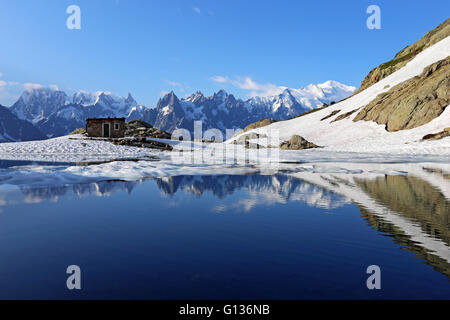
(345, 185)
(323, 185)
(305, 193)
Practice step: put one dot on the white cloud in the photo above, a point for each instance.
(197, 10)
(1, 74)
(11, 90)
(247, 83)
(31, 86)
(182, 87)
(175, 84)
(220, 79)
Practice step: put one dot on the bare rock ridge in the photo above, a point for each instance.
(405, 55)
(255, 125)
(414, 102)
(345, 115)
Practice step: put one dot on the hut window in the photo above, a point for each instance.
(116, 126)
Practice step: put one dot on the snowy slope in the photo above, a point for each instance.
(296, 101)
(363, 136)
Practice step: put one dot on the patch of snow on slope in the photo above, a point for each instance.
(364, 136)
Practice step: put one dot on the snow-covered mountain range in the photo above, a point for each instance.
(55, 113)
(224, 111)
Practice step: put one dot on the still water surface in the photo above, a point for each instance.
(226, 237)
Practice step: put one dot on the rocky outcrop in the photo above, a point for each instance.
(414, 102)
(142, 142)
(407, 54)
(297, 143)
(345, 115)
(332, 113)
(143, 129)
(78, 131)
(436, 136)
(258, 124)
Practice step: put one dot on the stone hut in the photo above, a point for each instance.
(105, 127)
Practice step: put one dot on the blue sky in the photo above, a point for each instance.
(151, 47)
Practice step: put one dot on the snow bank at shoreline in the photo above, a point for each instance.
(76, 148)
(71, 148)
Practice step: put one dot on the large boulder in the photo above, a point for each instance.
(297, 143)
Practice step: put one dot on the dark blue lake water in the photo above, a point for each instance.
(224, 237)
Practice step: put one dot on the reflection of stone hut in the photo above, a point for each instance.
(105, 127)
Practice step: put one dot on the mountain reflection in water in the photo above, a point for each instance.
(413, 209)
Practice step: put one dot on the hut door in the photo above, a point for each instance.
(106, 129)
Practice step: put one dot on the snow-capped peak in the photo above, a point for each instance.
(85, 98)
(195, 97)
(43, 93)
(38, 102)
(221, 94)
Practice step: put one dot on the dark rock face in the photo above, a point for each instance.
(406, 55)
(297, 143)
(14, 129)
(414, 102)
